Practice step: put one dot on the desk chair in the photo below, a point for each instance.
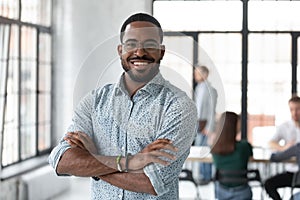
(187, 175)
(295, 183)
(240, 177)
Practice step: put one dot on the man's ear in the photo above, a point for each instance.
(162, 51)
(119, 48)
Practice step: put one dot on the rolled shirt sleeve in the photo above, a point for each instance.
(81, 121)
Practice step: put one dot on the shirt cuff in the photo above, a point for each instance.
(152, 171)
(55, 156)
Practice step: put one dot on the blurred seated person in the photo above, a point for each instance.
(282, 181)
(230, 154)
(289, 132)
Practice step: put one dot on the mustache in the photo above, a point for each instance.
(142, 58)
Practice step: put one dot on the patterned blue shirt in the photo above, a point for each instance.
(119, 124)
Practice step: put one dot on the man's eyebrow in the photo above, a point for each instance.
(131, 40)
(148, 40)
(151, 40)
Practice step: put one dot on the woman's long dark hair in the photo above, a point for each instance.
(226, 134)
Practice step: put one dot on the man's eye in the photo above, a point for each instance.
(131, 45)
(150, 45)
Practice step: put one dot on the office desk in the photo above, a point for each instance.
(260, 159)
(200, 154)
(260, 155)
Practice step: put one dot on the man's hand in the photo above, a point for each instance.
(274, 145)
(81, 140)
(288, 145)
(201, 125)
(159, 144)
(153, 153)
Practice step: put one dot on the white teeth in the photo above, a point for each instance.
(140, 63)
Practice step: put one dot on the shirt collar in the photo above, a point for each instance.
(152, 87)
(120, 87)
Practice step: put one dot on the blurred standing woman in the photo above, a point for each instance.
(230, 154)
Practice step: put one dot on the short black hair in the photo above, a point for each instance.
(141, 17)
(294, 99)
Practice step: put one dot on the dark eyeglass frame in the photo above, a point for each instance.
(148, 45)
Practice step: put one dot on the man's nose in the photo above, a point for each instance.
(140, 51)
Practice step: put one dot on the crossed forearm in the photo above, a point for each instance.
(136, 182)
(79, 162)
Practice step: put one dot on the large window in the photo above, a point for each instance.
(228, 64)
(255, 53)
(25, 80)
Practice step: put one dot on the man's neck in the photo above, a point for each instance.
(132, 86)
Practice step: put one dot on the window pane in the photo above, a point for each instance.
(44, 133)
(13, 68)
(281, 15)
(10, 145)
(36, 12)
(45, 63)
(28, 44)
(12, 80)
(44, 108)
(4, 36)
(177, 65)
(227, 63)
(269, 78)
(45, 48)
(10, 133)
(199, 15)
(269, 47)
(11, 110)
(28, 77)
(3, 70)
(44, 136)
(9, 8)
(28, 60)
(1, 113)
(28, 125)
(28, 109)
(44, 78)
(14, 43)
(28, 141)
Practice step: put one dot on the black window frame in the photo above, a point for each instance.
(22, 165)
(244, 65)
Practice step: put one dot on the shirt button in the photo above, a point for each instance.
(123, 148)
(120, 196)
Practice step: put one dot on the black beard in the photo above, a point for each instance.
(142, 79)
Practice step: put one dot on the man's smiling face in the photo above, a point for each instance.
(141, 51)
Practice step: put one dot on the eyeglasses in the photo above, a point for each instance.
(148, 45)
